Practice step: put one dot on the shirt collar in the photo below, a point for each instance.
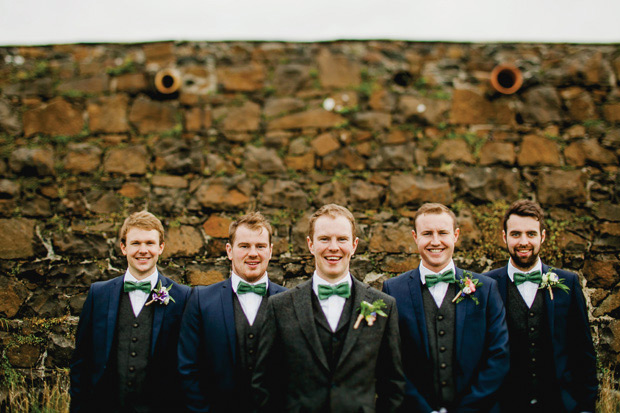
(316, 281)
(512, 269)
(152, 278)
(235, 280)
(425, 271)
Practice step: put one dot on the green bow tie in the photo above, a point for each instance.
(144, 286)
(343, 290)
(259, 289)
(444, 277)
(534, 277)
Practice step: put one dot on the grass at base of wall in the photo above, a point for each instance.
(23, 395)
(609, 392)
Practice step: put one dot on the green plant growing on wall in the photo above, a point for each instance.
(128, 66)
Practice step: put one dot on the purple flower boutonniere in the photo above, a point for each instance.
(369, 312)
(551, 280)
(161, 294)
(468, 286)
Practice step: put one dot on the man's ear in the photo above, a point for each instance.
(543, 235)
(504, 237)
(229, 251)
(310, 245)
(457, 232)
(123, 248)
(415, 237)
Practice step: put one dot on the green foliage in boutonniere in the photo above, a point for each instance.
(551, 280)
(161, 294)
(369, 312)
(468, 286)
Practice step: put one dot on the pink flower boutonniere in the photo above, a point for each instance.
(161, 294)
(468, 286)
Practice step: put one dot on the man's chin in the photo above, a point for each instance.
(524, 263)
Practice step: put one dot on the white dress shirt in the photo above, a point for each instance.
(439, 290)
(332, 306)
(250, 302)
(138, 298)
(528, 289)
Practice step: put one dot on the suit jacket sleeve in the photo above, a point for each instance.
(390, 377)
(81, 364)
(495, 361)
(188, 355)
(412, 394)
(582, 357)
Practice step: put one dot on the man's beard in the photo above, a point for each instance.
(524, 263)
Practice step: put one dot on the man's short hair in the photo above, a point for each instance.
(143, 220)
(333, 211)
(525, 208)
(252, 220)
(434, 208)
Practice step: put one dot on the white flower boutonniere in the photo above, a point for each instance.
(161, 294)
(551, 280)
(369, 312)
(468, 286)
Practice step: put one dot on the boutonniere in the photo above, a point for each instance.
(369, 312)
(161, 294)
(468, 286)
(551, 280)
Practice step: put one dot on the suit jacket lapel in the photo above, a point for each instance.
(461, 311)
(158, 312)
(360, 294)
(114, 297)
(303, 310)
(415, 290)
(502, 284)
(228, 314)
(549, 304)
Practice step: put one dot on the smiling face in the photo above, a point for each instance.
(523, 239)
(332, 245)
(250, 252)
(435, 236)
(142, 249)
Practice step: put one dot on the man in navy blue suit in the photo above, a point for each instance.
(553, 364)
(220, 329)
(452, 324)
(125, 352)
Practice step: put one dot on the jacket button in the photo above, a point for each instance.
(135, 325)
(134, 339)
(440, 318)
(532, 329)
(251, 351)
(441, 333)
(442, 349)
(532, 314)
(443, 365)
(133, 354)
(533, 359)
(250, 335)
(444, 383)
(132, 368)
(130, 383)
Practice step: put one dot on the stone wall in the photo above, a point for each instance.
(380, 127)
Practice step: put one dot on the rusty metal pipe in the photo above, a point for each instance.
(167, 81)
(506, 79)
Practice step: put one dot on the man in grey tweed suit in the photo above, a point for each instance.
(313, 355)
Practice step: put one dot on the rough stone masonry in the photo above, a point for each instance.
(378, 126)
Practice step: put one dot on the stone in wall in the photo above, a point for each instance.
(260, 159)
(108, 114)
(313, 118)
(392, 238)
(9, 118)
(80, 245)
(337, 71)
(537, 151)
(152, 116)
(332, 193)
(542, 105)
(244, 118)
(325, 143)
(220, 193)
(204, 275)
(375, 121)
(178, 156)
(58, 117)
(12, 296)
(453, 150)
(562, 188)
(489, 184)
(393, 157)
(131, 160)
(242, 79)
(59, 351)
(24, 355)
(32, 161)
(89, 85)
(182, 241)
(290, 78)
(284, 194)
(82, 158)
(217, 226)
(601, 272)
(417, 189)
(588, 151)
(17, 238)
(346, 157)
(281, 106)
(611, 112)
(580, 104)
(471, 107)
(365, 195)
(497, 153)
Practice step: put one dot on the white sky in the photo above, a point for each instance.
(41, 22)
